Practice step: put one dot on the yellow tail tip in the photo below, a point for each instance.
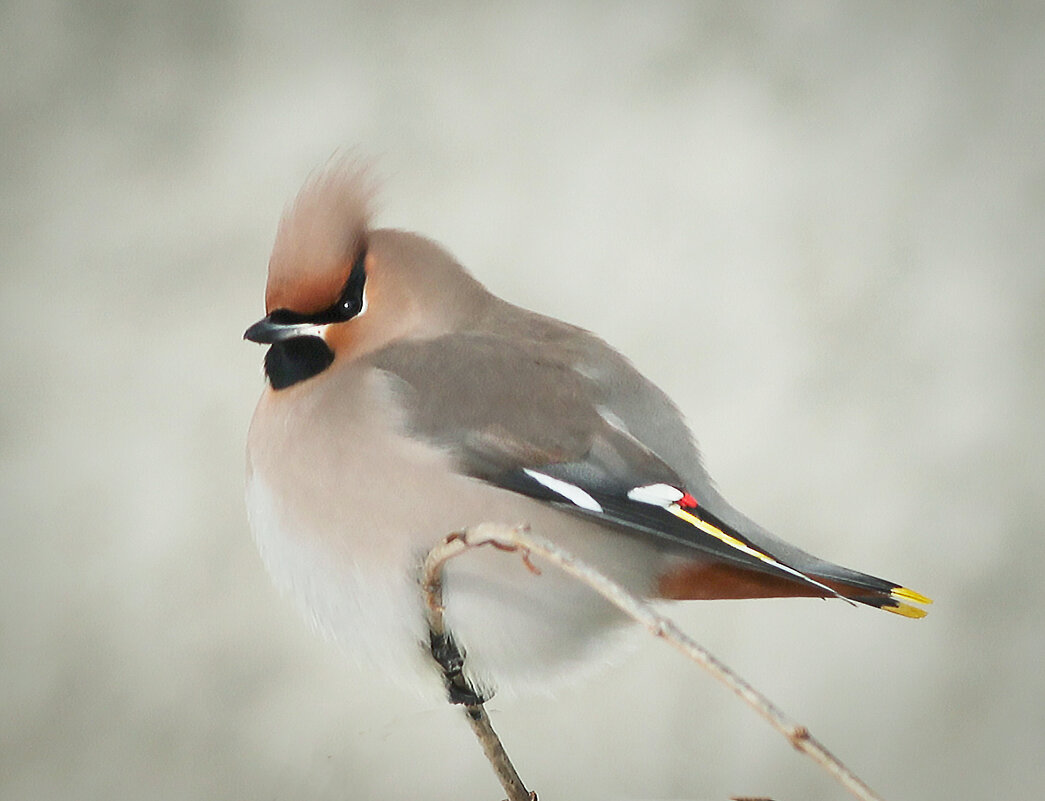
(910, 595)
(906, 610)
(901, 594)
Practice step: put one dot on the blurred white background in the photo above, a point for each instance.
(819, 226)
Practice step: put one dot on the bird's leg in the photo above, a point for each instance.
(449, 657)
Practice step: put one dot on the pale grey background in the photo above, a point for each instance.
(820, 226)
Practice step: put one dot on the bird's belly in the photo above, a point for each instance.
(364, 599)
(521, 630)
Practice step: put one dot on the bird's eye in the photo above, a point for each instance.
(348, 308)
(352, 301)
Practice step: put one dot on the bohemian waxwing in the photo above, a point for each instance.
(405, 402)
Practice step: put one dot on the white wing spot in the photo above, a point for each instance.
(656, 494)
(612, 419)
(570, 492)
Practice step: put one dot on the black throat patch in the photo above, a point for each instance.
(296, 359)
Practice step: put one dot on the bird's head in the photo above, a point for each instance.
(339, 289)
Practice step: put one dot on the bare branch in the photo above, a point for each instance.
(445, 652)
(521, 540)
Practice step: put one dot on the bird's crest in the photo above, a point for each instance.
(319, 237)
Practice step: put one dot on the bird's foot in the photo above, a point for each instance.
(451, 660)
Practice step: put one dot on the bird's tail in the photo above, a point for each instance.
(872, 591)
(700, 579)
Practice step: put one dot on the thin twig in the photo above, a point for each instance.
(460, 692)
(519, 539)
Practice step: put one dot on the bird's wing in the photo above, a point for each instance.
(642, 409)
(526, 417)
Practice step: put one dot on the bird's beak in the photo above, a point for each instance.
(267, 330)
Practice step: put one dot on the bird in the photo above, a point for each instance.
(403, 402)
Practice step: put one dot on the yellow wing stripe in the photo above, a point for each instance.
(719, 534)
(733, 542)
